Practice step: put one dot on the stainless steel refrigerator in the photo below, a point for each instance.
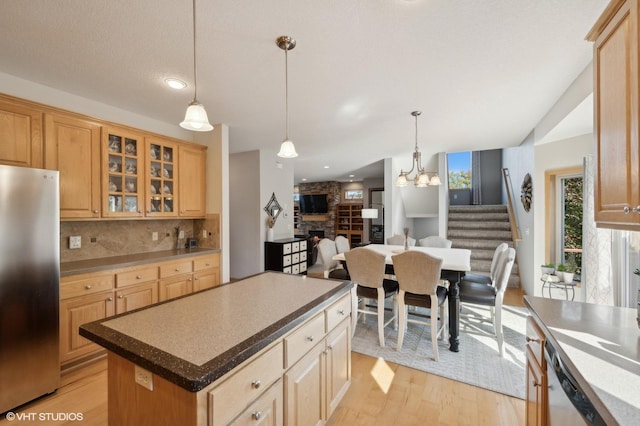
(29, 284)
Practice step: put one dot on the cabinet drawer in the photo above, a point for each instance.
(267, 410)
(171, 269)
(303, 339)
(286, 260)
(535, 340)
(303, 266)
(136, 276)
(338, 311)
(231, 397)
(303, 256)
(286, 248)
(295, 269)
(295, 258)
(206, 262)
(295, 247)
(81, 285)
(303, 245)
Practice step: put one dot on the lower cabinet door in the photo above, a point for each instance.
(265, 411)
(304, 389)
(74, 313)
(206, 279)
(136, 297)
(338, 365)
(536, 411)
(175, 287)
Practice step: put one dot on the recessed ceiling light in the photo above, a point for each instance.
(304, 179)
(326, 167)
(174, 83)
(352, 175)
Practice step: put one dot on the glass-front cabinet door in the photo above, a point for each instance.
(162, 174)
(122, 173)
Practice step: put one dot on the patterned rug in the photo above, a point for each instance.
(477, 363)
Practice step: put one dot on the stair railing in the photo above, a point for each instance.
(513, 217)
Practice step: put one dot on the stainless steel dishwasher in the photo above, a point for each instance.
(568, 405)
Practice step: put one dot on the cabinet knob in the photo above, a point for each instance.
(196, 278)
(531, 339)
(257, 415)
(96, 211)
(310, 338)
(88, 286)
(189, 279)
(177, 269)
(120, 297)
(341, 312)
(256, 384)
(626, 210)
(138, 277)
(110, 299)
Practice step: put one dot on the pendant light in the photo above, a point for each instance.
(287, 149)
(196, 117)
(421, 179)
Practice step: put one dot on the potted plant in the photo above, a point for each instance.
(560, 270)
(548, 269)
(570, 268)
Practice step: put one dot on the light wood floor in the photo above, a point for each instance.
(381, 393)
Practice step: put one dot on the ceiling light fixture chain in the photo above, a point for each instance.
(422, 178)
(287, 149)
(196, 116)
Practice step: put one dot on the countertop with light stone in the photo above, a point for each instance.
(196, 339)
(95, 265)
(600, 346)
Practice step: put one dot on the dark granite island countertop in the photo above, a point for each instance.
(600, 346)
(194, 340)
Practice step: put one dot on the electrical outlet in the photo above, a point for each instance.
(204, 233)
(75, 242)
(143, 377)
(181, 235)
(154, 236)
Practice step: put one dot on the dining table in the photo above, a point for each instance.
(455, 263)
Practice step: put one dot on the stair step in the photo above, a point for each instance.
(478, 208)
(478, 234)
(478, 244)
(489, 224)
(477, 217)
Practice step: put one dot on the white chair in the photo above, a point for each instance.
(332, 268)
(473, 293)
(491, 278)
(342, 244)
(418, 277)
(398, 240)
(435, 241)
(366, 268)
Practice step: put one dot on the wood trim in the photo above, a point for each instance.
(515, 232)
(608, 13)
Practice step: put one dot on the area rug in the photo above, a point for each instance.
(477, 363)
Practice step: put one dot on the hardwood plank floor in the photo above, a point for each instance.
(381, 393)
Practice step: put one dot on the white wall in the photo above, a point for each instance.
(550, 156)
(520, 161)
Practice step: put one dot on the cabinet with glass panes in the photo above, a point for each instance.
(122, 181)
(162, 173)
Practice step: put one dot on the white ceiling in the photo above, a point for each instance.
(482, 72)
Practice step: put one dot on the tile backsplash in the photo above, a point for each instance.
(116, 238)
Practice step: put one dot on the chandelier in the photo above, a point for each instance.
(287, 149)
(423, 178)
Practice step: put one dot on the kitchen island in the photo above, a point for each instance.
(600, 346)
(232, 354)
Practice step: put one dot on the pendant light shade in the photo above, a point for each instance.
(196, 117)
(287, 149)
(422, 179)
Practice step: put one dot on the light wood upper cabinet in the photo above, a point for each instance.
(616, 96)
(192, 201)
(72, 146)
(21, 135)
(122, 171)
(161, 177)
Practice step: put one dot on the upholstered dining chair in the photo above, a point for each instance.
(366, 268)
(418, 277)
(473, 293)
(332, 268)
(495, 261)
(342, 244)
(398, 240)
(435, 241)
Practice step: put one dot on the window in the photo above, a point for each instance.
(459, 166)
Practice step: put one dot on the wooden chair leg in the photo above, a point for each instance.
(402, 318)
(381, 316)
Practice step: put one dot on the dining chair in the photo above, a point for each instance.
(342, 244)
(332, 268)
(473, 293)
(491, 278)
(398, 240)
(366, 268)
(419, 282)
(435, 241)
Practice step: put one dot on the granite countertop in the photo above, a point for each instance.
(95, 265)
(600, 345)
(194, 340)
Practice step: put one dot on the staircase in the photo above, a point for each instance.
(481, 229)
